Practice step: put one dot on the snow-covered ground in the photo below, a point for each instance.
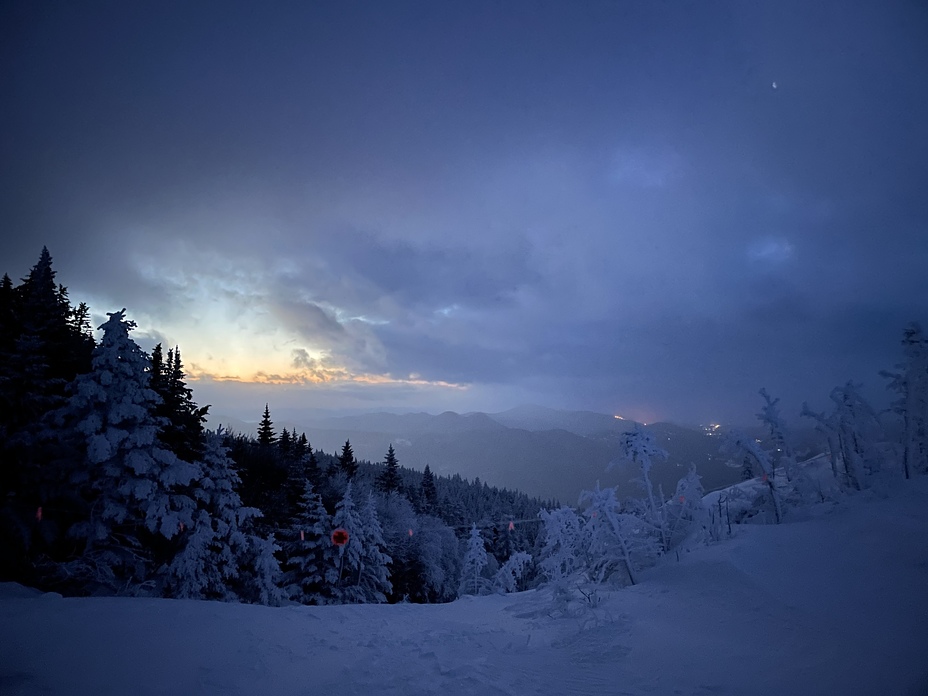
(835, 604)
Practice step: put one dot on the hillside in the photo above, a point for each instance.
(543, 452)
(831, 605)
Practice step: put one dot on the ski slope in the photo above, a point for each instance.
(834, 604)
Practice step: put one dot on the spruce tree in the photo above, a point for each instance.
(304, 550)
(182, 431)
(374, 577)
(285, 444)
(428, 491)
(343, 563)
(266, 434)
(346, 461)
(389, 480)
(132, 484)
(219, 543)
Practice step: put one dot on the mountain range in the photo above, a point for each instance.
(550, 453)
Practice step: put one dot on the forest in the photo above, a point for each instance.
(110, 484)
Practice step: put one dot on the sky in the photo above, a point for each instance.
(646, 208)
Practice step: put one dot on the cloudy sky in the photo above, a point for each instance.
(647, 208)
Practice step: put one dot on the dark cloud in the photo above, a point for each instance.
(596, 205)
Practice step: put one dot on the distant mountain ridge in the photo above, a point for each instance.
(541, 451)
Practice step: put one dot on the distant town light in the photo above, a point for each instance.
(619, 418)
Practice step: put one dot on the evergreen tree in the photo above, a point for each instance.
(307, 540)
(374, 578)
(347, 462)
(343, 563)
(389, 480)
(182, 431)
(475, 560)
(301, 446)
(285, 444)
(312, 469)
(428, 490)
(131, 483)
(217, 549)
(295, 485)
(266, 434)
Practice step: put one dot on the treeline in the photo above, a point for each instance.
(110, 484)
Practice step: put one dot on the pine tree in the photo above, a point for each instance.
(266, 434)
(475, 560)
(374, 577)
(219, 545)
(347, 462)
(301, 446)
(312, 470)
(285, 444)
(295, 485)
(304, 549)
(132, 484)
(389, 480)
(183, 427)
(429, 493)
(343, 563)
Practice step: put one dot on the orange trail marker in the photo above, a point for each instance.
(302, 536)
(682, 499)
(410, 532)
(38, 514)
(511, 525)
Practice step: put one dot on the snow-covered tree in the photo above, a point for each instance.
(374, 576)
(343, 563)
(770, 416)
(508, 576)
(911, 386)
(859, 433)
(562, 554)
(617, 541)
(221, 548)
(740, 445)
(639, 447)
(439, 561)
(134, 486)
(308, 537)
(686, 514)
(475, 560)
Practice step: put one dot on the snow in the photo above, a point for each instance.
(834, 604)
